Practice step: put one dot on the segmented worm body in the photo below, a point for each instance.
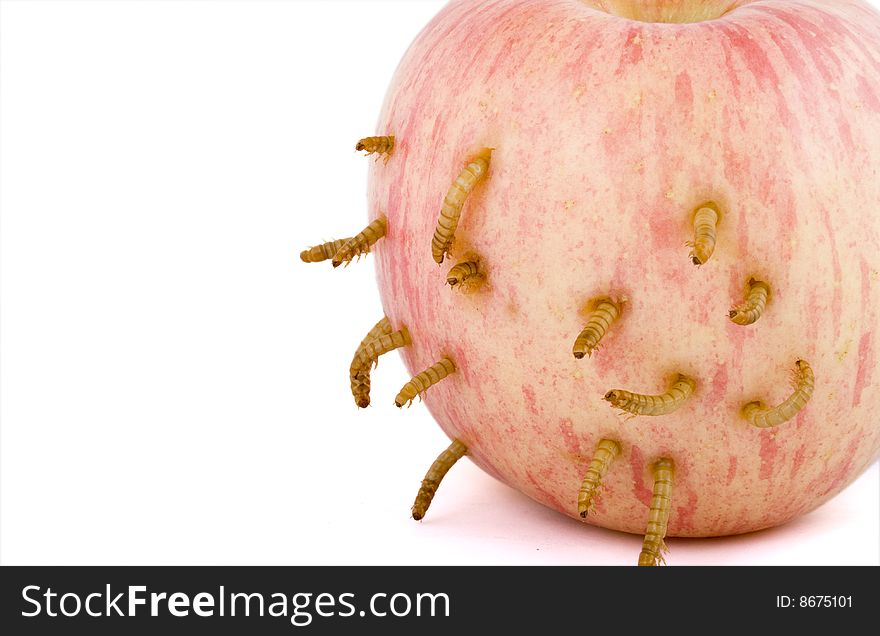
(379, 145)
(465, 275)
(763, 416)
(639, 404)
(606, 451)
(423, 381)
(434, 476)
(600, 319)
(322, 252)
(361, 243)
(705, 222)
(458, 192)
(753, 308)
(376, 347)
(359, 373)
(661, 502)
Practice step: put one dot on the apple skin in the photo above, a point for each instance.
(607, 133)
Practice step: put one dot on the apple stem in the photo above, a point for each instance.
(606, 451)
(749, 311)
(379, 145)
(658, 518)
(600, 319)
(458, 192)
(360, 373)
(424, 381)
(803, 381)
(705, 222)
(662, 404)
(361, 243)
(434, 476)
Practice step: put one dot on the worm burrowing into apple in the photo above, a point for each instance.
(575, 145)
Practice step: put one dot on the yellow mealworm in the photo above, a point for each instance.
(435, 475)
(360, 389)
(322, 252)
(361, 243)
(753, 307)
(600, 319)
(705, 222)
(606, 451)
(360, 374)
(465, 275)
(663, 404)
(424, 381)
(381, 345)
(661, 502)
(455, 198)
(379, 145)
(763, 416)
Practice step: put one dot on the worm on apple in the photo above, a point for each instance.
(752, 308)
(450, 212)
(434, 476)
(322, 252)
(662, 404)
(606, 311)
(653, 546)
(383, 145)
(424, 381)
(762, 416)
(466, 276)
(362, 242)
(705, 233)
(606, 451)
(360, 373)
(369, 355)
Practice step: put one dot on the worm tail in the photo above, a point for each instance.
(322, 252)
(705, 222)
(606, 451)
(434, 476)
(600, 319)
(424, 380)
(359, 374)
(658, 518)
(361, 243)
(752, 308)
(458, 192)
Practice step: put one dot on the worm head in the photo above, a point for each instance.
(613, 397)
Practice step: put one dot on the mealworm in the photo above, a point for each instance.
(705, 222)
(360, 374)
(756, 299)
(361, 243)
(455, 198)
(465, 275)
(379, 145)
(606, 451)
(369, 356)
(322, 252)
(434, 476)
(639, 404)
(763, 416)
(661, 502)
(600, 319)
(424, 381)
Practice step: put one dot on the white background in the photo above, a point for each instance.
(174, 380)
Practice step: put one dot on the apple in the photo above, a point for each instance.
(613, 126)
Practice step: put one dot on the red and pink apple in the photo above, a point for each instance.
(610, 122)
